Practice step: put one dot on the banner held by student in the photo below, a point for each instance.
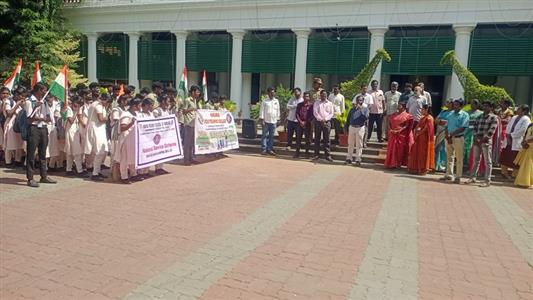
(157, 141)
(215, 131)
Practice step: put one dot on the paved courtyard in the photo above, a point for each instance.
(248, 227)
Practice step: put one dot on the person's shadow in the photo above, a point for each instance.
(12, 181)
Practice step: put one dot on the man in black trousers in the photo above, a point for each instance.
(38, 114)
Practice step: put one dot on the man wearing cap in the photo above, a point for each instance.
(457, 122)
(317, 88)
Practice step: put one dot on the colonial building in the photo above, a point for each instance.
(247, 45)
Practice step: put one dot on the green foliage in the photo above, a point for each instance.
(35, 30)
(230, 105)
(344, 116)
(352, 87)
(473, 89)
(254, 110)
(283, 95)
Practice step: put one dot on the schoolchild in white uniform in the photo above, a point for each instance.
(13, 144)
(145, 113)
(125, 153)
(162, 111)
(73, 149)
(96, 144)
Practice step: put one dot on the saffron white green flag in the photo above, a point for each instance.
(58, 88)
(36, 75)
(13, 80)
(204, 87)
(182, 86)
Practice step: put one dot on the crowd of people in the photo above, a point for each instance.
(95, 124)
(471, 138)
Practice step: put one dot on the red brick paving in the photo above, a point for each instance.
(522, 197)
(315, 255)
(463, 252)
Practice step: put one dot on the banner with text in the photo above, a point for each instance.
(157, 141)
(214, 131)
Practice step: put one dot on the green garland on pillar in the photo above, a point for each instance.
(352, 87)
(473, 89)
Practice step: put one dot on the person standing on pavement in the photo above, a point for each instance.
(400, 138)
(422, 155)
(338, 103)
(484, 127)
(39, 116)
(96, 144)
(426, 95)
(292, 122)
(414, 105)
(323, 112)
(304, 115)
(457, 122)
(269, 114)
(407, 93)
(516, 128)
(355, 127)
(392, 98)
(376, 111)
(368, 100)
(188, 110)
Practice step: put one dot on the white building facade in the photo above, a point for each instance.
(246, 46)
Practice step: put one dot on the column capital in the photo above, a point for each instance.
(180, 34)
(464, 28)
(133, 34)
(378, 30)
(237, 33)
(91, 35)
(301, 32)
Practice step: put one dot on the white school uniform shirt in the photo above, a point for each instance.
(143, 115)
(96, 138)
(518, 134)
(159, 112)
(338, 104)
(269, 110)
(40, 112)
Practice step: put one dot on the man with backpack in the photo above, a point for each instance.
(39, 116)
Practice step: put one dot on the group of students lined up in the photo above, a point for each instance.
(482, 138)
(97, 122)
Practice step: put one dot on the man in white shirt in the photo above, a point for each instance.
(392, 98)
(292, 122)
(338, 105)
(376, 111)
(323, 113)
(426, 94)
(368, 100)
(39, 115)
(269, 114)
(414, 106)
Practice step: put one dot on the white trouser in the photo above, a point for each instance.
(355, 136)
(97, 164)
(10, 153)
(124, 166)
(77, 160)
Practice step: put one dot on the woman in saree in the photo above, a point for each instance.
(422, 155)
(440, 138)
(524, 160)
(400, 138)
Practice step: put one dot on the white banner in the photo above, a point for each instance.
(157, 141)
(214, 131)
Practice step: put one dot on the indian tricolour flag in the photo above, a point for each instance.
(58, 88)
(36, 75)
(204, 86)
(15, 76)
(182, 86)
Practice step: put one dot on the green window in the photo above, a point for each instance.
(275, 55)
(112, 57)
(330, 56)
(83, 64)
(500, 55)
(212, 54)
(157, 60)
(418, 55)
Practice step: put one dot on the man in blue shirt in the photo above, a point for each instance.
(355, 126)
(457, 123)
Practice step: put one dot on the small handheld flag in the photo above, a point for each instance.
(182, 87)
(204, 86)
(13, 80)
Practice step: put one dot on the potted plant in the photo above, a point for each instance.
(283, 95)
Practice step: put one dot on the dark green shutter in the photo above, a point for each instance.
(497, 55)
(418, 55)
(83, 64)
(157, 60)
(212, 56)
(112, 59)
(268, 56)
(347, 56)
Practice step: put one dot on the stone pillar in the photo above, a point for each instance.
(223, 80)
(133, 68)
(181, 38)
(462, 50)
(300, 67)
(521, 91)
(236, 65)
(246, 95)
(92, 37)
(377, 41)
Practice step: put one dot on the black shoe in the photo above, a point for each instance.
(329, 159)
(126, 181)
(272, 153)
(97, 178)
(70, 174)
(90, 170)
(161, 172)
(47, 180)
(104, 167)
(316, 157)
(33, 183)
(83, 174)
(137, 178)
(380, 140)
(358, 163)
(348, 162)
(102, 175)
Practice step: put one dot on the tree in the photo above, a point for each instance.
(35, 30)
